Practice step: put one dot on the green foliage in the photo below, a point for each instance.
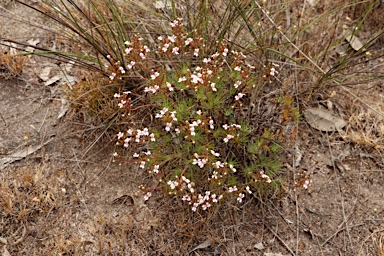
(203, 148)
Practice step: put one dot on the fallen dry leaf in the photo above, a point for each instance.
(323, 120)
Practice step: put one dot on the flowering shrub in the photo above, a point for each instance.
(200, 144)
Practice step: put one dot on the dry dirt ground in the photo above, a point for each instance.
(61, 193)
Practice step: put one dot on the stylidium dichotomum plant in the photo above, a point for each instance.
(200, 146)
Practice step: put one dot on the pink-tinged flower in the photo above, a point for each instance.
(177, 130)
(120, 135)
(206, 60)
(173, 184)
(182, 79)
(194, 207)
(173, 116)
(174, 23)
(146, 48)
(237, 68)
(218, 165)
(196, 78)
(162, 113)
(117, 95)
(306, 184)
(237, 84)
(155, 75)
(121, 103)
(143, 132)
(196, 52)
(168, 127)
(188, 41)
(147, 196)
(142, 165)
(115, 154)
(136, 155)
(206, 206)
(273, 72)
(228, 137)
(169, 86)
(175, 50)
(213, 86)
(142, 56)
(240, 197)
(239, 96)
(225, 52)
(160, 38)
(211, 126)
(232, 189)
(127, 92)
(248, 190)
(127, 43)
(186, 180)
(129, 131)
(186, 198)
(200, 162)
(148, 153)
(214, 175)
(172, 38)
(112, 76)
(214, 198)
(152, 136)
(128, 50)
(233, 169)
(215, 55)
(152, 89)
(192, 130)
(225, 126)
(215, 153)
(199, 112)
(165, 47)
(156, 169)
(264, 176)
(131, 64)
(191, 189)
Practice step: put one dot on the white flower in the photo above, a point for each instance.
(147, 196)
(228, 137)
(182, 79)
(237, 84)
(175, 50)
(240, 197)
(188, 41)
(169, 86)
(128, 50)
(120, 135)
(239, 96)
(155, 75)
(131, 64)
(156, 169)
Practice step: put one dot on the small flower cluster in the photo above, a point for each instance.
(195, 126)
(135, 55)
(138, 136)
